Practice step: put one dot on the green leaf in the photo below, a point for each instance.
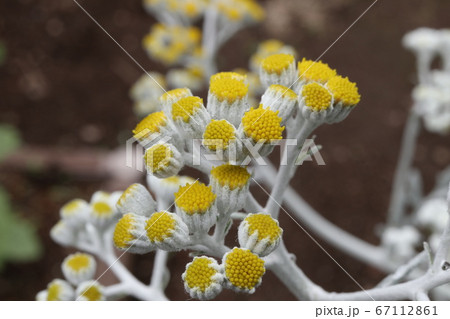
(18, 240)
(9, 140)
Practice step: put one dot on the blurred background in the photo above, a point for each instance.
(65, 106)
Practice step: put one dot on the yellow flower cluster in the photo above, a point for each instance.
(285, 92)
(228, 89)
(102, 209)
(53, 291)
(146, 91)
(267, 48)
(241, 10)
(186, 107)
(229, 75)
(265, 225)
(262, 125)
(92, 293)
(157, 157)
(218, 135)
(122, 233)
(174, 95)
(169, 43)
(311, 71)
(151, 124)
(199, 273)
(195, 198)
(316, 96)
(160, 226)
(232, 176)
(79, 261)
(243, 269)
(72, 207)
(277, 63)
(344, 90)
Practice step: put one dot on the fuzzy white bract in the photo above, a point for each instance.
(231, 185)
(136, 199)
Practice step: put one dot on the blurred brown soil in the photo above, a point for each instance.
(65, 83)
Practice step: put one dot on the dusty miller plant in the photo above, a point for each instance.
(228, 139)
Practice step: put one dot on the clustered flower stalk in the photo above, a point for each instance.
(224, 137)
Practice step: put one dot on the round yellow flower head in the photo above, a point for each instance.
(169, 43)
(277, 63)
(188, 112)
(231, 184)
(165, 187)
(228, 89)
(74, 213)
(163, 160)
(57, 290)
(309, 71)
(316, 97)
(90, 291)
(188, 8)
(186, 107)
(196, 205)
(267, 48)
(102, 209)
(72, 207)
(243, 270)
(123, 232)
(241, 10)
(232, 176)
(231, 13)
(202, 278)
(160, 226)
(344, 91)
(270, 46)
(259, 233)
(145, 93)
(151, 124)
(262, 125)
(128, 234)
(167, 231)
(195, 198)
(228, 75)
(228, 97)
(218, 135)
(158, 157)
(79, 267)
(264, 225)
(191, 8)
(175, 95)
(286, 93)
